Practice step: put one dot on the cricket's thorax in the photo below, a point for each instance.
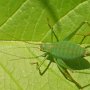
(64, 50)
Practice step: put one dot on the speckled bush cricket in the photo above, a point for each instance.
(66, 55)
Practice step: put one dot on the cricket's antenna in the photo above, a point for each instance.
(33, 57)
(35, 43)
(23, 58)
(29, 42)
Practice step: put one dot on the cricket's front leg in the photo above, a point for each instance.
(84, 37)
(38, 67)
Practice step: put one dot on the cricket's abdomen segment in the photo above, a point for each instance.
(65, 50)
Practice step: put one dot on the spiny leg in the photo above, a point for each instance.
(85, 46)
(42, 72)
(74, 32)
(38, 66)
(70, 78)
(52, 32)
(84, 36)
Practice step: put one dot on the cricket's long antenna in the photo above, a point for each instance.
(21, 57)
(28, 57)
(35, 43)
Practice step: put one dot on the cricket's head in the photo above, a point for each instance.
(45, 47)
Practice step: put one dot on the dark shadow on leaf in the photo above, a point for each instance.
(78, 64)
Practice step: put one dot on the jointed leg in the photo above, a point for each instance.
(70, 78)
(66, 74)
(38, 66)
(74, 32)
(42, 72)
(53, 33)
(84, 36)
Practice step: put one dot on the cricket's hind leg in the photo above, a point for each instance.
(52, 32)
(69, 37)
(67, 75)
(84, 35)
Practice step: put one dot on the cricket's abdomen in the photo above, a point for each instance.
(66, 50)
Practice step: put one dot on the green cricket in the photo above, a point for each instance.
(66, 55)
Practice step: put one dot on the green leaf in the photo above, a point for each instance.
(27, 20)
(8, 8)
